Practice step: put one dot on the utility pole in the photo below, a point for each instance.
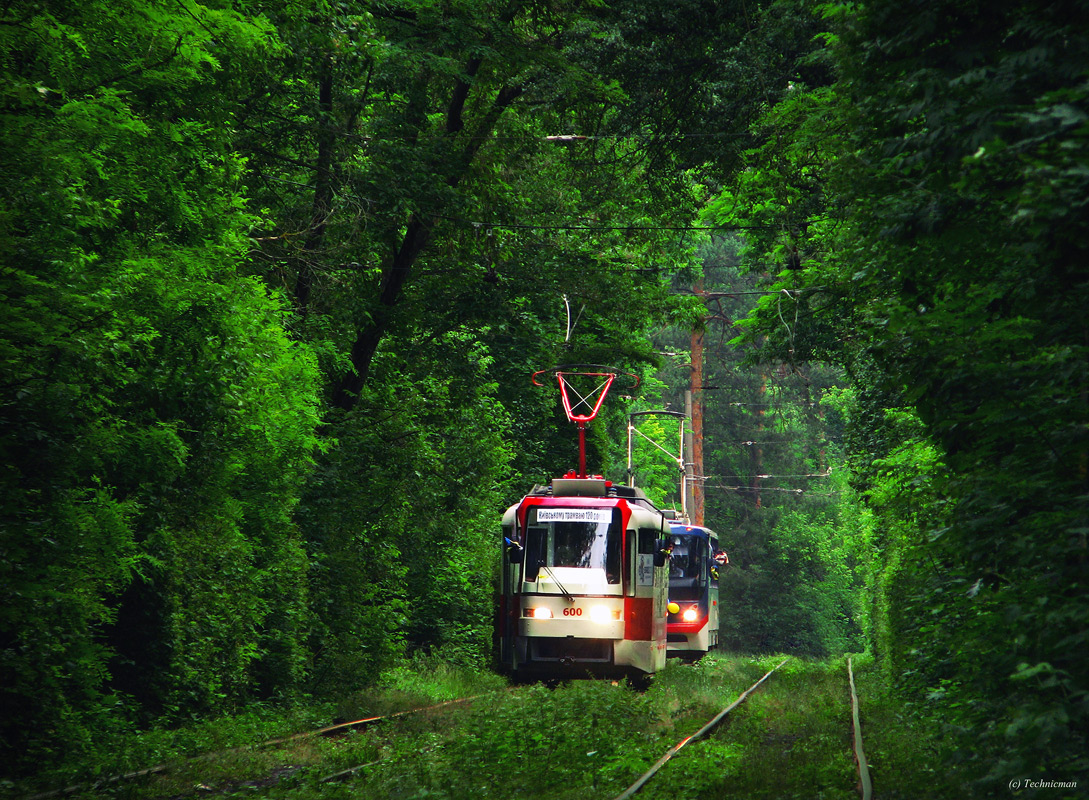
(694, 401)
(758, 449)
(689, 501)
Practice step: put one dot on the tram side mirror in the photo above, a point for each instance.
(662, 552)
(721, 558)
(515, 552)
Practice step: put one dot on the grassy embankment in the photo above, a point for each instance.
(585, 739)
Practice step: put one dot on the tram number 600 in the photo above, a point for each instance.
(572, 612)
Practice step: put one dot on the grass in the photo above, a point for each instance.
(423, 681)
(908, 754)
(581, 740)
(793, 739)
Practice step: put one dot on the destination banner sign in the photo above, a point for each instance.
(575, 515)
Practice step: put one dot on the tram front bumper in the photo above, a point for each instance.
(571, 628)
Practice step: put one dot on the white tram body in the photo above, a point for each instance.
(584, 582)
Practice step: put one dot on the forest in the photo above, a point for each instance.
(275, 275)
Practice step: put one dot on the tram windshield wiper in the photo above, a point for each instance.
(570, 598)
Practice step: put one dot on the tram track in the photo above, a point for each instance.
(337, 729)
(865, 783)
(661, 762)
(782, 732)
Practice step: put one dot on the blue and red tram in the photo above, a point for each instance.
(693, 621)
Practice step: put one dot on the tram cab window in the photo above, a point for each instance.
(680, 562)
(688, 564)
(585, 545)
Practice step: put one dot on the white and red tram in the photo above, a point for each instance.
(584, 582)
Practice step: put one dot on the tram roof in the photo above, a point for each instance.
(696, 530)
(594, 488)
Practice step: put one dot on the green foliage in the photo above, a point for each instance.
(939, 268)
(355, 540)
(207, 500)
(774, 487)
(158, 419)
(801, 587)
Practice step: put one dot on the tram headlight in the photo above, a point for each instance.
(690, 614)
(541, 613)
(601, 614)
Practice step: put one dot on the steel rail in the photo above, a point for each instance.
(359, 723)
(163, 768)
(350, 772)
(661, 762)
(865, 783)
(344, 774)
(101, 783)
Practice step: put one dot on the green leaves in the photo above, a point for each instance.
(949, 158)
(160, 420)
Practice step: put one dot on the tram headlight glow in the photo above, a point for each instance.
(541, 613)
(690, 614)
(600, 614)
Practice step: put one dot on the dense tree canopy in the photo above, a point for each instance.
(157, 420)
(928, 206)
(275, 275)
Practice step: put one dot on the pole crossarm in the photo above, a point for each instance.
(677, 458)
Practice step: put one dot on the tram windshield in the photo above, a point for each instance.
(687, 563)
(589, 543)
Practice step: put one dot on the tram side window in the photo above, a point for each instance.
(711, 563)
(636, 543)
(645, 546)
(629, 557)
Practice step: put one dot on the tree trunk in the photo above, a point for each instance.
(417, 235)
(323, 188)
